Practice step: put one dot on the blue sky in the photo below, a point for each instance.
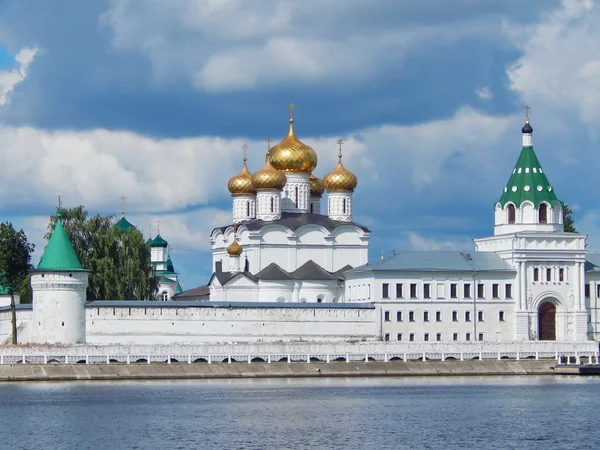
(154, 99)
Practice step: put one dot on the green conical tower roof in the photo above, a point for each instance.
(158, 242)
(528, 180)
(123, 224)
(59, 254)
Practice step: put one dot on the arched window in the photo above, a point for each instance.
(536, 274)
(311, 208)
(511, 213)
(543, 213)
(297, 196)
(548, 274)
(344, 206)
(247, 209)
(165, 296)
(561, 274)
(272, 204)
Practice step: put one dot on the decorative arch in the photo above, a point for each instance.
(511, 213)
(548, 296)
(543, 213)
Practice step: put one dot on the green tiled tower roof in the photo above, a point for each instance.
(528, 180)
(158, 242)
(59, 254)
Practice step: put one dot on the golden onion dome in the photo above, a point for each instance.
(291, 155)
(340, 179)
(234, 249)
(268, 178)
(241, 183)
(317, 188)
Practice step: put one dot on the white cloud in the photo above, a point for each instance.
(559, 70)
(484, 93)
(231, 45)
(419, 242)
(10, 78)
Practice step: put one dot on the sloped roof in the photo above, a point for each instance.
(226, 277)
(592, 262)
(200, 291)
(59, 254)
(310, 270)
(438, 261)
(273, 272)
(158, 241)
(293, 221)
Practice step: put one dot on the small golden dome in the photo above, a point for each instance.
(234, 249)
(241, 183)
(340, 179)
(317, 188)
(291, 155)
(268, 177)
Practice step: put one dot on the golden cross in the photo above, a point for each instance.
(527, 108)
(269, 140)
(245, 147)
(340, 142)
(291, 106)
(59, 202)
(122, 198)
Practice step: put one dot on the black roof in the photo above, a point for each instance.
(527, 128)
(195, 292)
(273, 272)
(310, 270)
(294, 221)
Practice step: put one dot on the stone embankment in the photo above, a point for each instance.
(154, 371)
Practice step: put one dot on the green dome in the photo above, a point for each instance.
(59, 254)
(159, 242)
(123, 224)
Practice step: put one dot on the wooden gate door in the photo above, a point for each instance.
(547, 322)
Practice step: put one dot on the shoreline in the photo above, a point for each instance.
(163, 371)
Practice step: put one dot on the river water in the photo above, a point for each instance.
(408, 413)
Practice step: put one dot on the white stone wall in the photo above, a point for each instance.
(339, 206)
(268, 205)
(315, 205)
(58, 313)
(25, 326)
(244, 208)
(196, 325)
(295, 196)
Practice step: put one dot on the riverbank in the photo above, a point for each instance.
(73, 372)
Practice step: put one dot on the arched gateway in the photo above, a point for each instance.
(547, 322)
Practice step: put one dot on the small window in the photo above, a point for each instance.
(413, 290)
(548, 274)
(467, 316)
(272, 204)
(411, 337)
(508, 291)
(536, 274)
(399, 316)
(501, 316)
(438, 316)
(247, 209)
(399, 337)
(387, 337)
(598, 290)
(165, 296)
(454, 316)
(438, 337)
(455, 336)
(561, 274)
(427, 290)
(480, 290)
(385, 290)
(481, 336)
(425, 316)
(453, 288)
(468, 336)
(467, 290)
(426, 337)
(543, 213)
(387, 316)
(495, 289)
(511, 214)
(312, 208)
(345, 207)
(298, 197)
(411, 316)
(480, 316)
(399, 290)
(587, 290)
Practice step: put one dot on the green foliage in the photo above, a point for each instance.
(15, 258)
(568, 220)
(118, 261)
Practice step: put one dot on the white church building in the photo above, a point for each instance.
(293, 266)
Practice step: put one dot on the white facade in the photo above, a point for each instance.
(244, 207)
(339, 206)
(268, 205)
(296, 193)
(59, 307)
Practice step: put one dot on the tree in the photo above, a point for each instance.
(568, 220)
(15, 265)
(118, 261)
